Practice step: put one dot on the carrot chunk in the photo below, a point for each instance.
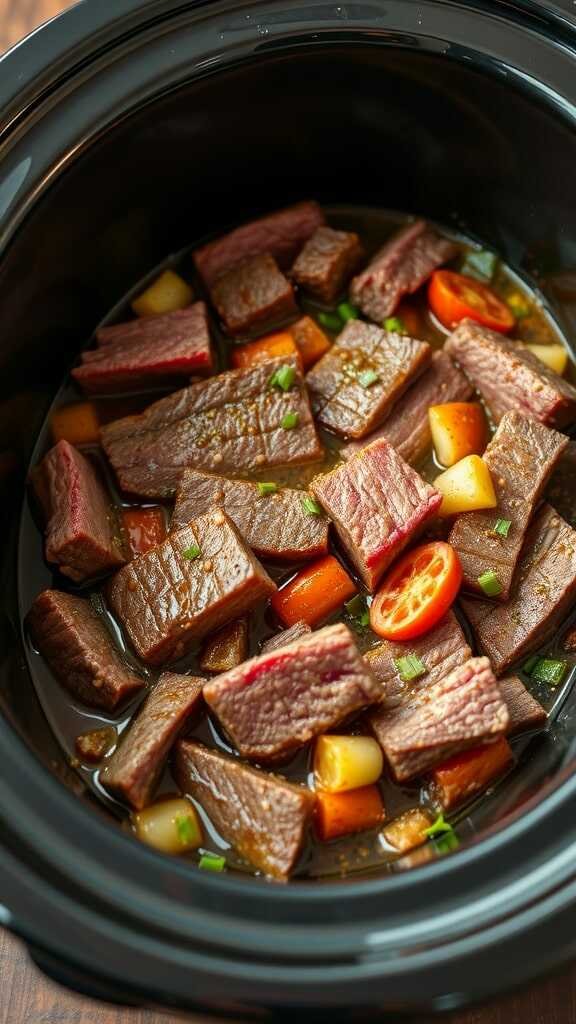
(340, 814)
(316, 592)
(272, 346)
(310, 340)
(143, 529)
(77, 424)
(464, 775)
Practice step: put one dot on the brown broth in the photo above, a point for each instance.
(67, 718)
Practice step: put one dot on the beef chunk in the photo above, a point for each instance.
(227, 648)
(407, 427)
(276, 702)
(133, 771)
(454, 713)
(524, 710)
(200, 577)
(520, 457)
(264, 817)
(285, 637)
(378, 503)
(79, 649)
(230, 423)
(81, 537)
(282, 234)
(253, 294)
(273, 525)
(511, 378)
(149, 351)
(354, 386)
(570, 639)
(399, 268)
(326, 262)
(541, 596)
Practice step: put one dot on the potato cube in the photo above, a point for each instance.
(347, 762)
(166, 294)
(171, 826)
(466, 487)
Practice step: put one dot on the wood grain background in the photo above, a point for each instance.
(26, 997)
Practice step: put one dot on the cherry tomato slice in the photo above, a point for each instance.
(417, 592)
(453, 297)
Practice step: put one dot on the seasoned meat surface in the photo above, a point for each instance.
(326, 262)
(252, 294)
(227, 648)
(285, 637)
(524, 710)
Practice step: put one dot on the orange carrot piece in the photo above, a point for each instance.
(310, 339)
(464, 775)
(77, 424)
(272, 346)
(316, 592)
(340, 814)
(143, 529)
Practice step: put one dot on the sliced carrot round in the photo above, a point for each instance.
(417, 592)
(454, 297)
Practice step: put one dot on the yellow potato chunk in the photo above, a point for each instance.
(409, 830)
(555, 355)
(458, 429)
(167, 293)
(171, 826)
(466, 487)
(347, 762)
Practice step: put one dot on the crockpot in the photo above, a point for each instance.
(130, 128)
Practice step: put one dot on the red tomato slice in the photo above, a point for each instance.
(417, 592)
(453, 297)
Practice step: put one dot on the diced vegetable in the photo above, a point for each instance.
(466, 774)
(283, 378)
(346, 762)
(167, 293)
(272, 346)
(314, 594)
(409, 830)
(479, 263)
(357, 609)
(519, 305)
(267, 487)
(502, 527)
(554, 355)
(311, 506)
(395, 325)
(77, 424)
(410, 667)
(341, 814)
(290, 420)
(458, 429)
(310, 340)
(367, 378)
(465, 487)
(549, 670)
(143, 529)
(192, 552)
(454, 297)
(490, 583)
(417, 592)
(171, 826)
(346, 312)
(330, 320)
(212, 862)
(439, 827)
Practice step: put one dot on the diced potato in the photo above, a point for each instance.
(171, 826)
(166, 294)
(77, 424)
(458, 429)
(555, 355)
(347, 762)
(408, 830)
(466, 487)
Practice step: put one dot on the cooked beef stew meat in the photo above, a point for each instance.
(288, 596)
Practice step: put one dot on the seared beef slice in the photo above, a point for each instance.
(459, 711)
(400, 267)
(524, 710)
(273, 525)
(147, 351)
(520, 457)
(80, 651)
(253, 293)
(378, 503)
(227, 648)
(230, 423)
(407, 427)
(510, 377)
(326, 262)
(278, 701)
(264, 817)
(80, 530)
(285, 637)
(354, 386)
(199, 578)
(135, 767)
(281, 233)
(542, 594)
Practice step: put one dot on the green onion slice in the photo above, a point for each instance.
(212, 862)
(290, 420)
(447, 842)
(519, 306)
(330, 320)
(502, 527)
(311, 506)
(480, 263)
(439, 827)
(192, 552)
(357, 609)
(490, 583)
(367, 378)
(346, 312)
(549, 670)
(410, 667)
(530, 664)
(395, 325)
(283, 378)
(267, 488)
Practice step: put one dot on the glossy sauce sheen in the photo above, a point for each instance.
(67, 719)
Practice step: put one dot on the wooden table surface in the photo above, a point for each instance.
(26, 997)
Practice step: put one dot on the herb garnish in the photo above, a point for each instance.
(192, 552)
(212, 862)
(290, 420)
(283, 378)
(311, 506)
(267, 488)
(410, 667)
(490, 583)
(367, 378)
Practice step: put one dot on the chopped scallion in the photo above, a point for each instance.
(502, 527)
(290, 420)
(410, 667)
(549, 670)
(267, 488)
(447, 842)
(357, 609)
(346, 312)
(367, 378)
(311, 506)
(186, 829)
(212, 862)
(192, 552)
(283, 378)
(490, 583)
(480, 263)
(395, 325)
(330, 320)
(518, 305)
(439, 827)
